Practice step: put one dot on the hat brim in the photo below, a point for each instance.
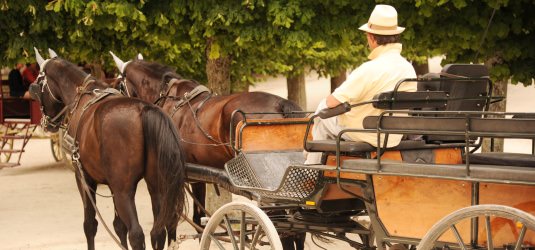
(396, 31)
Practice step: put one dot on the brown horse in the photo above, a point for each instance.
(202, 119)
(118, 141)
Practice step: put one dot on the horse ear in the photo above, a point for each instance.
(52, 53)
(118, 62)
(38, 57)
(139, 56)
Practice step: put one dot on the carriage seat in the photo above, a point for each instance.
(506, 159)
(503, 159)
(386, 100)
(361, 147)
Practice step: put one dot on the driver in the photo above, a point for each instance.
(381, 73)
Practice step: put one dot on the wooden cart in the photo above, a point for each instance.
(433, 191)
(19, 118)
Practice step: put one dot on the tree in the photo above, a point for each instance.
(505, 47)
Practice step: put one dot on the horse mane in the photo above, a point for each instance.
(156, 69)
(70, 71)
(75, 73)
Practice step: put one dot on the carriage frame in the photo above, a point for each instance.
(350, 178)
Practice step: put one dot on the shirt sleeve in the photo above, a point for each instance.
(354, 88)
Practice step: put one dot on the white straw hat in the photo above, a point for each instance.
(383, 21)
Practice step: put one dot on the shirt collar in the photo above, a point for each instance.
(383, 49)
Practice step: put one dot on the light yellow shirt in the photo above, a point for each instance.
(384, 70)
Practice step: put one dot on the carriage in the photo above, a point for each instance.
(436, 189)
(19, 119)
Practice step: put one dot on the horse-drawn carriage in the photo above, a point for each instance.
(19, 118)
(434, 190)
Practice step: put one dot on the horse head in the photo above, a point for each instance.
(143, 79)
(54, 88)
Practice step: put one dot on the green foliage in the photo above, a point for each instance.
(267, 37)
(456, 29)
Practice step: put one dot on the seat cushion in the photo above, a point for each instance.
(503, 159)
(358, 147)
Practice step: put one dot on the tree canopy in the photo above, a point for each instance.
(267, 37)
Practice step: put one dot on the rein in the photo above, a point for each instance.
(186, 99)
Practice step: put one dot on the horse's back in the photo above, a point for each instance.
(112, 130)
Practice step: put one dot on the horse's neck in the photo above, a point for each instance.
(183, 87)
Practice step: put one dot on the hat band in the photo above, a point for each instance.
(380, 27)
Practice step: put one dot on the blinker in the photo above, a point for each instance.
(35, 92)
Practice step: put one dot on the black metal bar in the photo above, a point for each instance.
(467, 144)
(474, 223)
(232, 135)
(307, 132)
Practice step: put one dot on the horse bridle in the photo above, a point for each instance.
(36, 91)
(123, 87)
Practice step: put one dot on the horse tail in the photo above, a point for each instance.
(162, 139)
(287, 107)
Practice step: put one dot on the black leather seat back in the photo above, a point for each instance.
(463, 95)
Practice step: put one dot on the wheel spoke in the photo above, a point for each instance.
(256, 236)
(518, 245)
(490, 244)
(217, 243)
(231, 233)
(242, 230)
(458, 237)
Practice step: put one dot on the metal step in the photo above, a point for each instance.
(8, 165)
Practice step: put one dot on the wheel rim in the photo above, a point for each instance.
(56, 148)
(240, 225)
(449, 223)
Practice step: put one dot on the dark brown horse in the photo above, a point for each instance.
(119, 141)
(202, 119)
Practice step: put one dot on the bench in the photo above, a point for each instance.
(465, 87)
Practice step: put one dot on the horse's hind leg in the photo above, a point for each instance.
(120, 229)
(90, 222)
(126, 209)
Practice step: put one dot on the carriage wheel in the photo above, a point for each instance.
(517, 217)
(249, 227)
(57, 149)
(55, 145)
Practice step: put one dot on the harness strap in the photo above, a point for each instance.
(99, 95)
(80, 91)
(188, 96)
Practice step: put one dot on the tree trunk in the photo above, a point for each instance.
(421, 69)
(338, 79)
(498, 89)
(218, 72)
(240, 87)
(97, 71)
(296, 90)
(213, 201)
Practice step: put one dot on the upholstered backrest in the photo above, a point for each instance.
(463, 95)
